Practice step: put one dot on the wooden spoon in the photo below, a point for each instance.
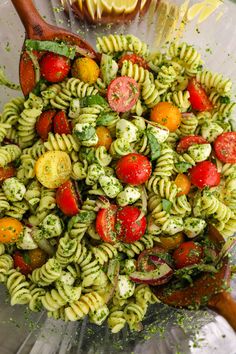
(36, 28)
(210, 289)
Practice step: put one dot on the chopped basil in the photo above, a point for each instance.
(87, 154)
(26, 258)
(224, 99)
(39, 86)
(92, 100)
(182, 166)
(51, 46)
(154, 146)
(166, 205)
(105, 118)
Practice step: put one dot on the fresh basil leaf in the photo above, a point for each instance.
(154, 146)
(166, 205)
(105, 118)
(39, 86)
(51, 46)
(26, 258)
(92, 100)
(86, 134)
(183, 166)
(224, 99)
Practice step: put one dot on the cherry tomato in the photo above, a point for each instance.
(135, 59)
(22, 261)
(225, 147)
(10, 230)
(183, 183)
(7, 172)
(128, 227)
(188, 253)
(66, 199)
(104, 137)
(37, 258)
(44, 123)
(134, 169)
(105, 223)
(145, 263)
(86, 69)
(54, 67)
(122, 93)
(61, 124)
(204, 174)
(188, 141)
(166, 114)
(171, 242)
(53, 168)
(27, 71)
(198, 97)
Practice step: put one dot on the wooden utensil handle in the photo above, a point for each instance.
(224, 304)
(30, 18)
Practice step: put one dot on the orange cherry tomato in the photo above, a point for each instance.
(166, 114)
(104, 137)
(7, 172)
(171, 242)
(86, 69)
(37, 258)
(184, 183)
(10, 230)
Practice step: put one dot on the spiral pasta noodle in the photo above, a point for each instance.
(116, 320)
(57, 298)
(86, 304)
(150, 94)
(12, 110)
(135, 71)
(37, 293)
(214, 80)
(80, 89)
(18, 288)
(9, 153)
(165, 163)
(46, 274)
(63, 142)
(118, 43)
(6, 264)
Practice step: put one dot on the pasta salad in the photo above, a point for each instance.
(110, 172)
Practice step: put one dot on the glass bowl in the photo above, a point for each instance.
(166, 330)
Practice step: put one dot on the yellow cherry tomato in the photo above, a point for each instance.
(10, 230)
(53, 168)
(183, 182)
(104, 137)
(171, 242)
(166, 114)
(86, 69)
(37, 258)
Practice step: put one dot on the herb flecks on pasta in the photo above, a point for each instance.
(63, 174)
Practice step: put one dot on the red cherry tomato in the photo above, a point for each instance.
(61, 124)
(128, 227)
(225, 147)
(188, 253)
(189, 140)
(105, 223)
(204, 174)
(134, 169)
(135, 59)
(54, 67)
(27, 71)
(66, 199)
(22, 262)
(122, 93)
(145, 263)
(7, 172)
(198, 97)
(44, 123)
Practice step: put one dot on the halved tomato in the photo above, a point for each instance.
(66, 199)
(188, 141)
(105, 223)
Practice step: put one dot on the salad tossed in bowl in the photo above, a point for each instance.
(111, 172)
